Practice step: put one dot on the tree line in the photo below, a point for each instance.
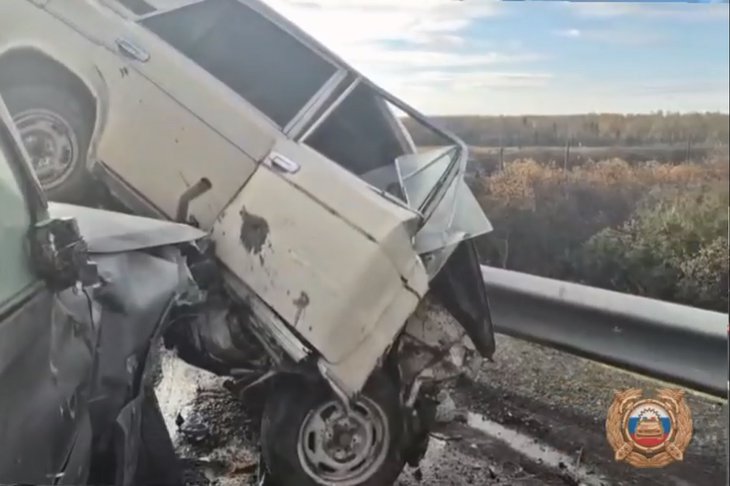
(591, 130)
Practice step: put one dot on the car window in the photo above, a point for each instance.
(268, 67)
(15, 220)
(357, 134)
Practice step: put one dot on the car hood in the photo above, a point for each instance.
(113, 232)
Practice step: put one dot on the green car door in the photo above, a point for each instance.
(45, 344)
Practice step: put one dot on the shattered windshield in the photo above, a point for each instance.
(393, 150)
(421, 173)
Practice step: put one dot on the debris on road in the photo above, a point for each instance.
(514, 432)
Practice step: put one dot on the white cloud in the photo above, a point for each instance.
(598, 9)
(378, 57)
(615, 36)
(424, 51)
(687, 12)
(627, 38)
(342, 22)
(567, 99)
(568, 33)
(411, 46)
(455, 80)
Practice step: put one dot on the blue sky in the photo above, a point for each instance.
(490, 57)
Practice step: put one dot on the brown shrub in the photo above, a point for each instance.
(543, 215)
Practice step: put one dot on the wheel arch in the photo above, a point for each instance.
(18, 65)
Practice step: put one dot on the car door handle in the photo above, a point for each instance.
(131, 50)
(282, 164)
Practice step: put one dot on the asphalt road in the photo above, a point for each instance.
(534, 416)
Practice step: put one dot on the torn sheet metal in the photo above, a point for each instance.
(136, 295)
(457, 217)
(464, 295)
(112, 232)
(434, 347)
(45, 370)
(73, 367)
(420, 173)
(217, 339)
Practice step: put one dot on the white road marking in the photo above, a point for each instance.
(534, 449)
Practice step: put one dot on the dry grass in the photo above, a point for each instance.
(545, 216)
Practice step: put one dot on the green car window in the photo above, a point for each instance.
(15, 220)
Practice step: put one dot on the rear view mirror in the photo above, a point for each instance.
(60, 254)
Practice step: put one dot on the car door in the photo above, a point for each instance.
(45, 347)
(235, 67)
(199, 89)
(328, 253)
(165, 126)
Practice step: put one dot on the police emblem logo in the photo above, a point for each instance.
(649, 432)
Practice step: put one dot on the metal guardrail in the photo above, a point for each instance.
(672, 342)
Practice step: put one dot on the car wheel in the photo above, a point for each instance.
(55, 128)
(308, 439)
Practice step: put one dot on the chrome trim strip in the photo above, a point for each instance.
(311, 108)
(329, 110)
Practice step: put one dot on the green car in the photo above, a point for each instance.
(85, 295)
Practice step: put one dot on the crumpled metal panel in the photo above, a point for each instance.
(434, 347)
(457, 217)
(45, 372)
(284, 236)
(138, 292)
(73, 364)
(463, 294)
(112, 232)
(420, 172)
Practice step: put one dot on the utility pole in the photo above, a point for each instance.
(501, 144)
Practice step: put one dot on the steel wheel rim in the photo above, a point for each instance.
(51, 144)
(338, 450)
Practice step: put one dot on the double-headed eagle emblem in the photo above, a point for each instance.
(649, 432)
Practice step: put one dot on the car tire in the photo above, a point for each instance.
(56, 128)
(291, 442)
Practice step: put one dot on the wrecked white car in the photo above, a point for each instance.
(335, 235)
